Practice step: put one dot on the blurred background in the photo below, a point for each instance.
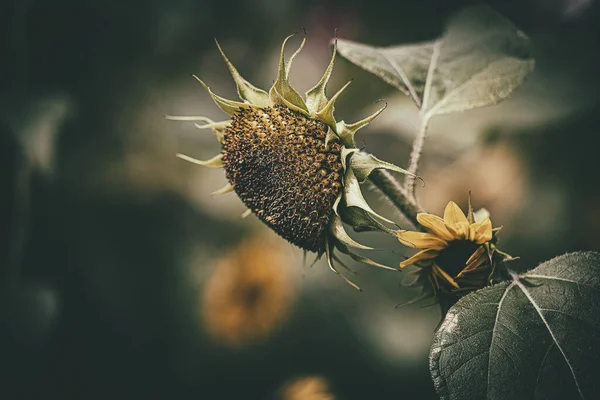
(122, 277)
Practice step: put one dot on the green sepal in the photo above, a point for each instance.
(346, 132)
(329, 249)
(229, 106)
(288, 65)
(282, 92)
(344, 153)
(215, 162)
(217, 127)
(331, 135)
(364, 164)
(470, 216)
(365, 260)
(246, 90)
(326, 113)
(218, 130)
(362, 221)
(279, 99)
(354, 197)
(337, 230)
(336, 204)
(246, 213)
(225, 189)
(316, 98)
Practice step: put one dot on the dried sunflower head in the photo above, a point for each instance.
(458, 253)
(293, 165)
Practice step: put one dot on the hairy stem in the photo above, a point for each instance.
(415, 156)
(424, 115)
(388, 185)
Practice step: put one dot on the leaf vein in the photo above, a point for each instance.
(510, 330)
(537, 381)
(467, 338)
(541, 315)
(509, 357)
(572, 316)
(556, 278)
(404, 78)
(508, 288)
(465, 363)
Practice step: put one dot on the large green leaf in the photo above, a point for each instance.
(535, 337)
(479, 61)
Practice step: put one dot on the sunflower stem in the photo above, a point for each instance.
(393, 190)
(415, 156)
(424, 115)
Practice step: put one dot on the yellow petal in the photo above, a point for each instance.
(477, 259)
(426, 254)
(442, 274)
(435, 224)
(434, 281)
(456, 221)
(477, 254)
(481, 232)
(420, 240)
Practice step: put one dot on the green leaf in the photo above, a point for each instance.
(535, 337)
(478, 62)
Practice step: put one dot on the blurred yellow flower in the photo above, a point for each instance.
(248, 294)
(307, 388)
(457, 250)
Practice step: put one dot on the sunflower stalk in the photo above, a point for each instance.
(397, 194)
(415, 156)
(419, 141)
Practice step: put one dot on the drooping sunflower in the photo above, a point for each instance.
(457, 253)
(293, 165)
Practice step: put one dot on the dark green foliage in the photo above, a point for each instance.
(535, 337)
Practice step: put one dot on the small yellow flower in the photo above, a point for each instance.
(457, 250)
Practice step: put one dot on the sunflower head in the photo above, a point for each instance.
(292, 164)
(457, 252)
